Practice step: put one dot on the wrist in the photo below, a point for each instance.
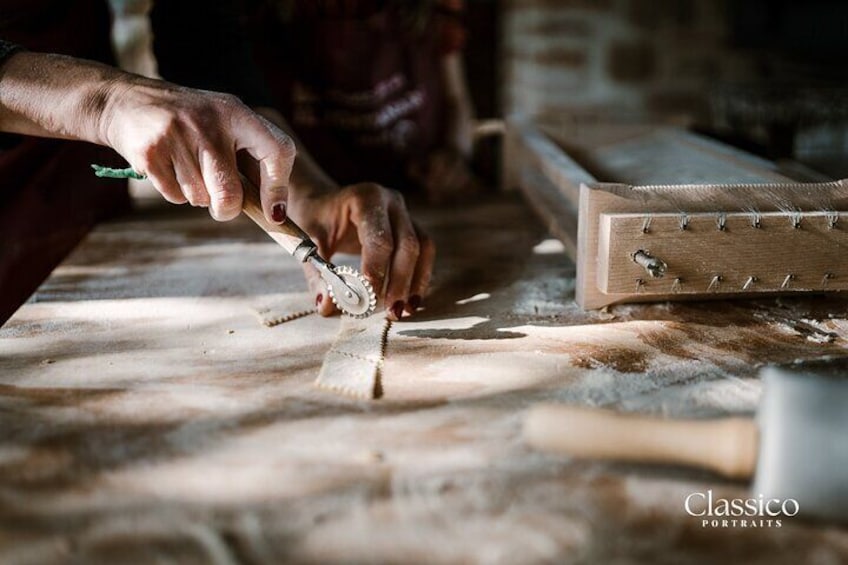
(104, 104)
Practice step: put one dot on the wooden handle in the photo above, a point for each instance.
(727, 446)
(287, 234)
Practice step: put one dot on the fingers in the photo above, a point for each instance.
(187, 173)
(370, 216)
(404, 260)
(423, 271)
(323, 303)
(209, 179)
(223, 186)
(164, 181)
(318, 291)
(397, 257)
(275, 153)
(274, 172)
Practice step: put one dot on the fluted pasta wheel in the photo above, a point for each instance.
(361, 308)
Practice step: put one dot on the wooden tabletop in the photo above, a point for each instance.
(147, 416)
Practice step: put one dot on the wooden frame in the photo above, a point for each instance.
(715, 222)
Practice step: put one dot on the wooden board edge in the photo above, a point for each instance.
(596, 198)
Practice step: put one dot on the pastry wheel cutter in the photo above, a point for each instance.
(347, 287)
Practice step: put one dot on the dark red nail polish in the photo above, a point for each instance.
(414, 302)
(278, 213)
(397, 309)
(319, 299)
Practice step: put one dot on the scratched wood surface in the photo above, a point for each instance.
(146, 415)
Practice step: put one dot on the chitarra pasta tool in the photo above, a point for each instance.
(650, 213)
(796, 448)
(348, 288)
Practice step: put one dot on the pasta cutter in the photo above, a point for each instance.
(349, 290)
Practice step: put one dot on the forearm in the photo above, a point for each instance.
(55, 96)
(186, 141)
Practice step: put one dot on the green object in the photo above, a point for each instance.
(106, 172)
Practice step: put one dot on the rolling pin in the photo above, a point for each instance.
(796, 448)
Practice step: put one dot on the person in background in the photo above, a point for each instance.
(374, 89)
(62, 104)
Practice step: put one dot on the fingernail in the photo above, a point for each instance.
(319, 299)
(278, 213)
(414, 302)
(397, 309)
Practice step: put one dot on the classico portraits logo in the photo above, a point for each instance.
(756, 512)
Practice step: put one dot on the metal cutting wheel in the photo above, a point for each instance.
(353, 295)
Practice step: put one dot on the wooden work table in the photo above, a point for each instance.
(147, 416)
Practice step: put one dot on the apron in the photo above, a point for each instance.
(49, 199)
(364, 95)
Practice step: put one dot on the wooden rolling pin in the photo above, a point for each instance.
(727, 446)
(797, 442)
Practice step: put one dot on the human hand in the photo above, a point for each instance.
(445, 177)
(186, 140)
(396, 254)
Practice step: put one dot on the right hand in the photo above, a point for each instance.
(186, 140)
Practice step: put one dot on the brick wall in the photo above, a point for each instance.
(633, 56)
(757, 74)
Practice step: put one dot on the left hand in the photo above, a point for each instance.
(369, 219)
